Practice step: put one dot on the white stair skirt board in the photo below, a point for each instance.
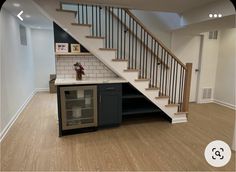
(93, 45)
(179, 120)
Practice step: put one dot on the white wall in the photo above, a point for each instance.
(155, 26)
(44, 57)
(225, 76)
(17, 72)
(209, 59)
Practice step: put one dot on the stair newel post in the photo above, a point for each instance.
(187, 86)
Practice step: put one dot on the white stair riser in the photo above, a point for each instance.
(140, 85)
(176, 120)
(130, 75)
(153, 93)
(172, 110)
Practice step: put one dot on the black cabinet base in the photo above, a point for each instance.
(77, 131)
(109, 126)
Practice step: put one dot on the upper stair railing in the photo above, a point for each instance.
(124, 32)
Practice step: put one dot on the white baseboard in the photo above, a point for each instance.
(17, 114)
(42, 89)
(228, 105)
(205, 101)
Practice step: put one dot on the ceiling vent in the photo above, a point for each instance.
(207, 93)
(213, 34)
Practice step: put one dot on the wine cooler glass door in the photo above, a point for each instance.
(79, 107)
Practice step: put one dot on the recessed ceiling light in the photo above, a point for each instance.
(210, 15)
(219, 15)
(215, 15)
(27, 16)
(16, 4)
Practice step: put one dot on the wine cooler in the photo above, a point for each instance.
(78, 107)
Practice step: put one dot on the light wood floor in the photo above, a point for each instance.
(33, 143)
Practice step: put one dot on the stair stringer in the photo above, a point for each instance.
(64, 20)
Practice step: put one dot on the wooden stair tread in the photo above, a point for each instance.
(162, 97)
(152, 88)
(172, 105)
(108, 49)
(96, 37)
(78, 24)
(119, 60)
(131, 70)
(142, 79)
(67, 11)
(180, 113)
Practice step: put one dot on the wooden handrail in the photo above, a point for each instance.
(187, 86)
(152, 35)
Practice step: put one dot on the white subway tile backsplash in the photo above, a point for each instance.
(93, 67)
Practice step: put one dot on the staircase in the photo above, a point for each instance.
(118, 39)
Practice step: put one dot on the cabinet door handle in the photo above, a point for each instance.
(100, 99)
(111, 88)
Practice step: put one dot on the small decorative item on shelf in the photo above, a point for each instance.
(79, 71)
(61, 47)
(75, 48)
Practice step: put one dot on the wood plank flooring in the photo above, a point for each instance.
(32, 143)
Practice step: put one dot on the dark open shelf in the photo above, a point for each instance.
(140, 110)
(135, 103)
(133, 96)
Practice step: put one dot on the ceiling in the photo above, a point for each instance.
(209, 25)
(36, 20)
(177, 6)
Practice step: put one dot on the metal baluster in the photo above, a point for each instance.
(125, 32)
(170, 82)
(78, 13)
(155, 67)
(92, 22)
(109, 28)
(140, 60)
(161, 70)
(121, 33)
(180, 84)
(146, 56)
(164, 71)
(158, 48)
(97, 20)
(136, 33)
(176, 77)
(106, 38)
(100, 21)
(112, 37)
(151, 61)
(173, 83)
(132, 44)
(86, 8)
(118, 25)
(130, 61)
(143, 70)
(183, 78)
(82, 14)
